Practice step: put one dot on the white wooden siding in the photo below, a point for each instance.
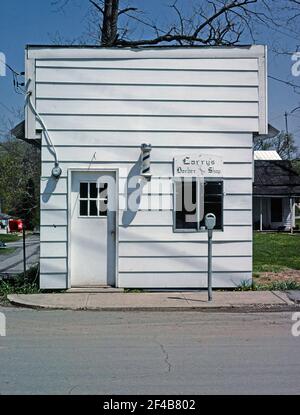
(182, 264)
(147, 92)
(149, 217)
(155, 186)
(101, 104)
(50, 185)
(165, 217)
(146, 76)
(54, 217)
(183, 140)
(182, 279)
(54, 280)
(53, 201)
(53, 265)
(53, 249)
(154, 64)
(149, 123)
(154, 202)
(133, 154)
(147, 108)
(165, 233)
(182, 249)
(53, 233)
(235, 171)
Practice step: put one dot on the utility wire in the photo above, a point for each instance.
(16, 85)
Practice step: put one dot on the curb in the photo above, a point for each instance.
(251, 308)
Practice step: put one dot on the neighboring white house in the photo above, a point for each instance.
(276, 192)
(198, 109)
(266, 155)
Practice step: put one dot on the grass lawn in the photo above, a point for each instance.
(7, 251)
(274, 252)
(9, 237)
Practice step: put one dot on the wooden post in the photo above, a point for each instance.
(260, 214)
(292, 214)
(24, 248)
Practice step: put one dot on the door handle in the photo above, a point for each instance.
(113, 233)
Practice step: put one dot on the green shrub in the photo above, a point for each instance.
(271, 286)
(19, 284)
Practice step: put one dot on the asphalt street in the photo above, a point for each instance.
(80, 352)
(13, 263)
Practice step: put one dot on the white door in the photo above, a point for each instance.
(93, 229)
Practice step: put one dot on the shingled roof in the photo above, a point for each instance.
(276, 178)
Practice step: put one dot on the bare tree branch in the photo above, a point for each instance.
(97, 6)
(288, 83)
(128, 9)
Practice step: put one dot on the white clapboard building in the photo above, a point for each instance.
(112, 119)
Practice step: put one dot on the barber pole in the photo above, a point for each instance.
(145, 168)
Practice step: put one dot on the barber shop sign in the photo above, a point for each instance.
(198, 165)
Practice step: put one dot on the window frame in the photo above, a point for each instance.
(198, 192)
(89, 199)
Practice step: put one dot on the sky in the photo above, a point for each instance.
(38, 22)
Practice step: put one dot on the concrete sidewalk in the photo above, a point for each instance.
(159, 301)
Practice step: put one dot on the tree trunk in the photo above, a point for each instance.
(110, 23)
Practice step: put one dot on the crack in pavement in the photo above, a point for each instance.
(166, 355)
(280, 297)
(71, 390)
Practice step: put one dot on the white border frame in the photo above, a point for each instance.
(70, 171)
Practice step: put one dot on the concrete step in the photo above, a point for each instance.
(95, 289)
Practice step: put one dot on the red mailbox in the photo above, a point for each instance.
(15, 225)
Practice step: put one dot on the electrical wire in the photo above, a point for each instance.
(21, 91)
(47, 135)
(15, 74)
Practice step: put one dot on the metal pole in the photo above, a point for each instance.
(24, 248)
(286, 122)
(209, 265)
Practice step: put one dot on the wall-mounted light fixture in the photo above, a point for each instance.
(145, 167)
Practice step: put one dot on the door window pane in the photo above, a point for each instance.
(83, 209)
(103, 208)
(91, 201)
(103, 191)
(93, 208)
(83, 193)
(93, 191)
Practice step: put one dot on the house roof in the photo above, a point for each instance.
(276, 177)
(19, 132)
(272, 132)
(165, 46)
(4, 216)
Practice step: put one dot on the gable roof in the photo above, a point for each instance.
(276, 177)
(19, 132)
